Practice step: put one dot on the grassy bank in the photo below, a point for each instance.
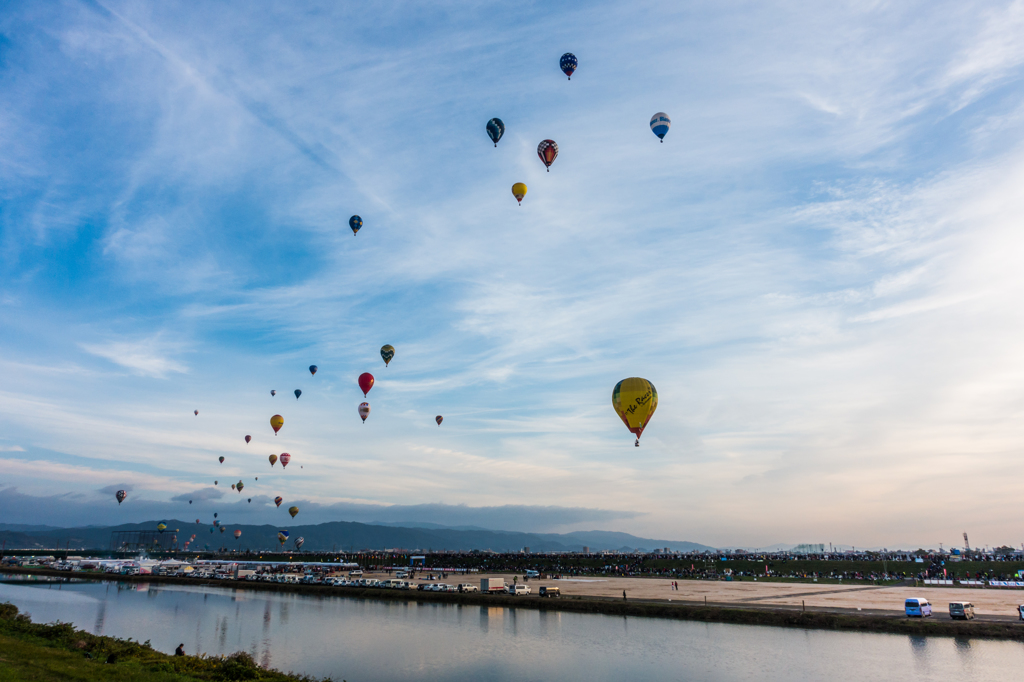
(713, 613)
(34, 651)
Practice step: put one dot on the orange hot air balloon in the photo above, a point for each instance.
(273, 460)
(285, 458)
(248, 438)
(277, 421)
(238, 534)
(278, 500)
(547, 150)
(365, 382)
(439, 419)
(364, 411)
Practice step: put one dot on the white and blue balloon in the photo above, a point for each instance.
(660, 123)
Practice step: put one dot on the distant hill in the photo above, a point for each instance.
(348, 536)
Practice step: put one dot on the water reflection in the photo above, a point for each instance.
(370, 640)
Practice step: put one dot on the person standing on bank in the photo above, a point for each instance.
(180, 651)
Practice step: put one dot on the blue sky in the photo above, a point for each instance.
(818, 269)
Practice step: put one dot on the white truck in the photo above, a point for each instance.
(492, 585)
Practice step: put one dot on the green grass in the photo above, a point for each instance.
(33, 651)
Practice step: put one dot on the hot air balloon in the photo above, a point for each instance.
(211, 529)
(365, 382)
(197, 413)
(161, 527)
(364, 411)
(237, 534)
(197, 521)
(215, 482)
(660, 123)
(568, 64)
(547, 150)
(519, 191)
(299, 542)
(355, 222)
(635, 401)
(273, 460)
(293, 511)
(248, 438)
(313, 369)
(239, 486)
(216, 522)
(439, 419)
(221, 459)
(250, 500)
(190, 501)
(282, 536)
(273, 393)
(495, 129)
(387, 352)
(232, 486)
(215, 514)
(285, 458)
(120, 495)
(278, 500)
(276, 422)
(222, 529)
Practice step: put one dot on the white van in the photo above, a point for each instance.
(518, 589)
(918, 608)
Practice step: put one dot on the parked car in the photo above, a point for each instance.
(550, 592)
(467, 587)
(961, 610)
(918, 608)
(355, 573)
(518, 589)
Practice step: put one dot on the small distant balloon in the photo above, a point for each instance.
(250, 500)
(285, 458)
(495, 129)
(237, 534)
(120, 495)
(364, 411)
(214, 514)
(298, 392)
(197, 412)
(197, 521)
(439, 419)
(660, 123)
(273, 393)
(299, 542)
(190, 501)
(248, 438)
(547, 150)
(519, 191)
(216, 522)
(355, 222)
(222, 529)
(293, 511)
(161, 527)
(278, 500)
(239, 486)
(276, 422)
(365, 382)
(221, 459)
(282, 537)
(273, 460)
(387, 352)
(313, 369)
(232, 486)
(568, 64)
(215, 482)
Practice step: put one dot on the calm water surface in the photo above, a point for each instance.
(370, 641)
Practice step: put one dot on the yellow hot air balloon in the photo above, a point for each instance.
(635, 401)
(273, 460)
(519, 191)
(276, 422)
(293, 511)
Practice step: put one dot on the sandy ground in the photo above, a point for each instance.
(987, 601)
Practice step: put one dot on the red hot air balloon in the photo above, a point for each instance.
(439, 419)
(285, 458)
(221, 459)
(278, 500)
(197, 413)
(365, 382)
(547, 150)
(238, 534)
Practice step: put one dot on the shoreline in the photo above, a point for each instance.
(713, 612)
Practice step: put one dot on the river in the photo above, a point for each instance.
(375, 641)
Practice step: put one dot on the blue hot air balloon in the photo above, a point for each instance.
(355, 222)
(660, 123)
(495, 129)
(568, 64)
(298, 392)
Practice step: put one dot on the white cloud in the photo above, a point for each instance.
(147, 357)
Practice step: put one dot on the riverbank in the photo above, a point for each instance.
(36, 651)
(796, 616)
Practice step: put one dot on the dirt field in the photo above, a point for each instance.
(987, 601)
